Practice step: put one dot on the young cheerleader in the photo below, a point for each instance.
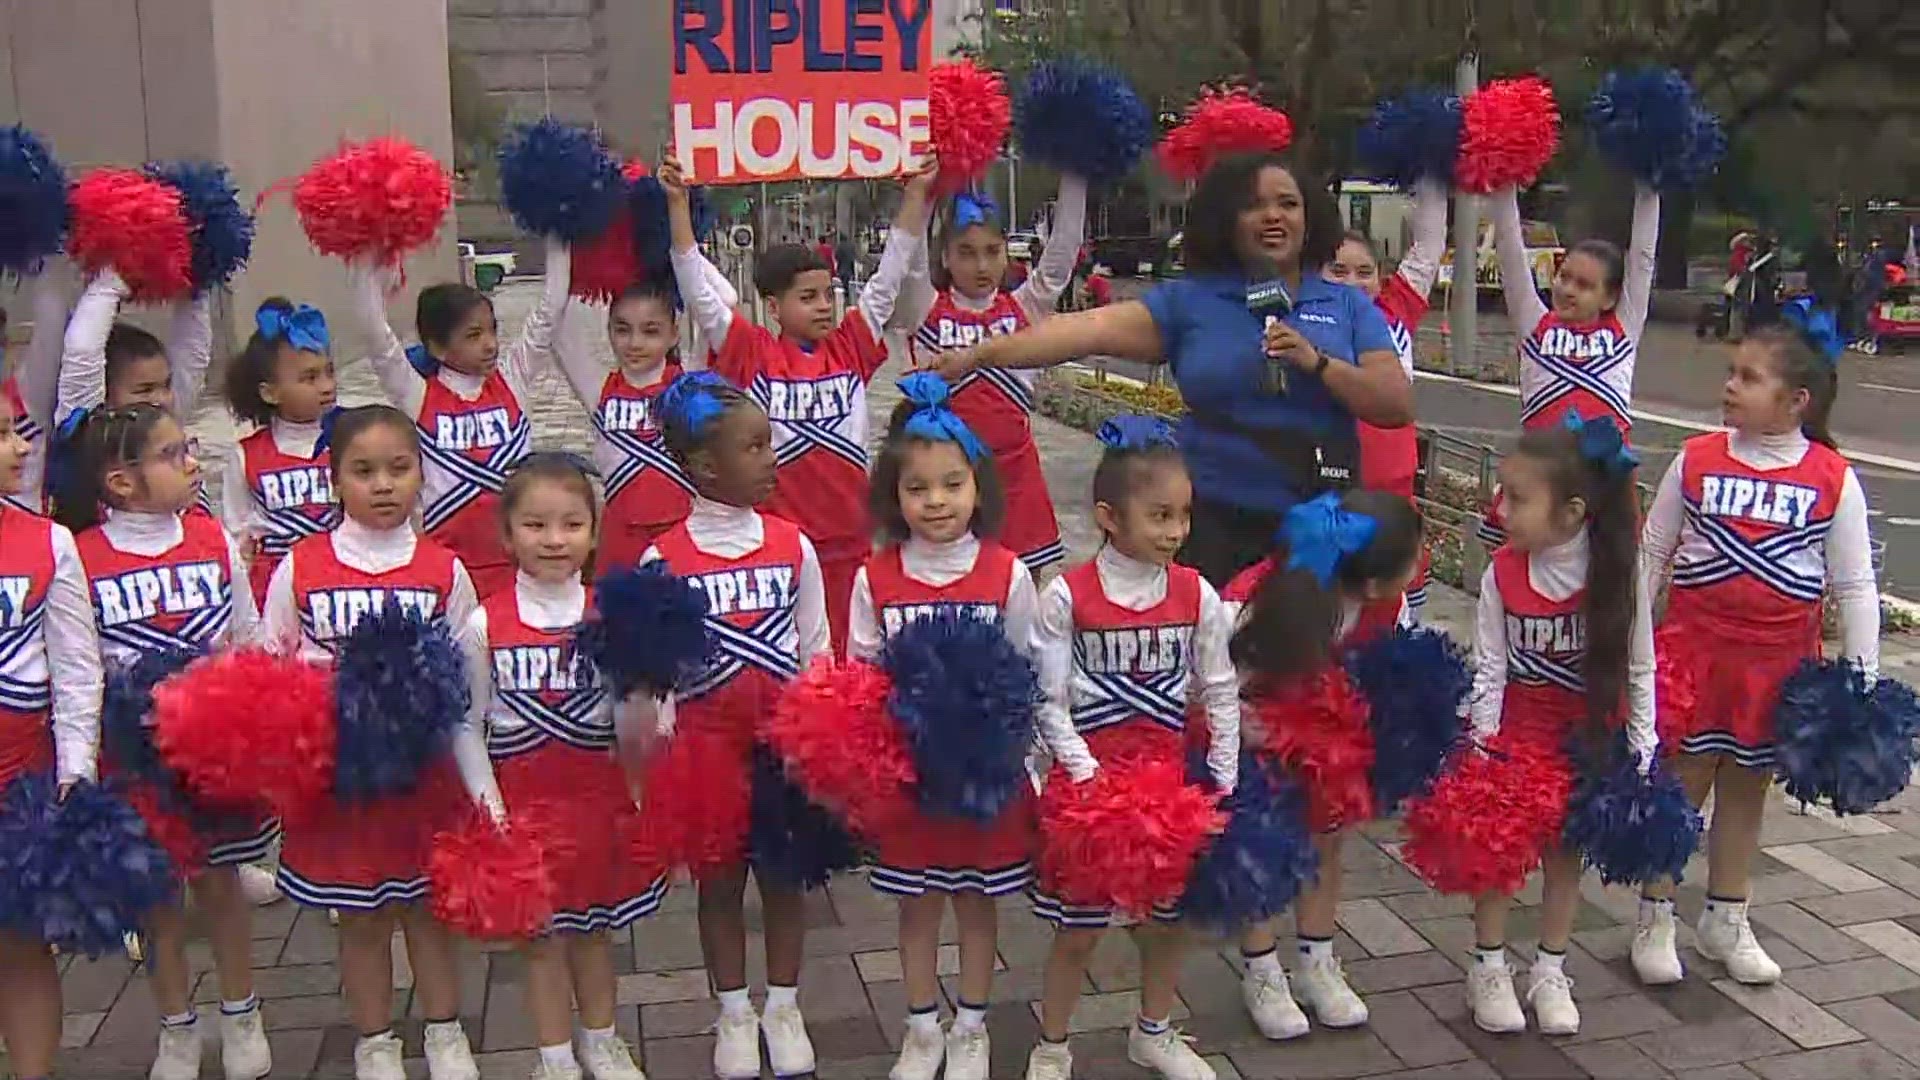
(811, 377)
(969, 307)
(1564, 646)
(549, 727)
(1101, 681)
(468, 397)
(369, 863)
(276, 490)
(1754, 524)
(767, 616)
(1288, 625)
(163, 579)
(32, 382)
(50, 681)
(935, 496)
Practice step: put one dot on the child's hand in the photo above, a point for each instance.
(920, 175)
(673, 178)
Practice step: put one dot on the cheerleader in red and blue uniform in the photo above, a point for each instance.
(162, 580)
(369, 862)
(1753, 526)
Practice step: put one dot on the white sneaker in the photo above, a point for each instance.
(244, 1053)
(608, 1058)
(1490, 996)
(178, 1055)
(1270, 1003)
(1169, 1053)
(736, 1047)
(449, 1057)
(379, 1058)
(1550, 992)
(544, 1071)
(258, 885)
(1724, 935)
(920, 1054)
(1323, 986)
(1050, 1061)
(968, 1052)
(1656, 954)
(789, 1050)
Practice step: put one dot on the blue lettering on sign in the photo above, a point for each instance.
(760, 25)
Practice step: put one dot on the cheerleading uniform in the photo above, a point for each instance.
(277, 490)
(366, 856)
(766, 617)
(816, 398)
(32, 384)
(998, 404)
(1121, 646)
(1756, 528)
(914, 580)
(473, 428)
(549, 729)
(50, 674)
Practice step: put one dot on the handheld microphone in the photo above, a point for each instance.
(1269, 300)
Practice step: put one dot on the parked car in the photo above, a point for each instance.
(1020, 245)
(1130, 256)
(485, 270)
(1544, 255)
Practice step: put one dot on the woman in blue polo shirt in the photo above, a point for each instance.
(1272, 384)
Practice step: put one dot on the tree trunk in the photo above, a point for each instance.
(1676, 227)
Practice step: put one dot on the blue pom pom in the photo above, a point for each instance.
(76, 874)
(1650, 122)
(1411, 137)
(1255, 868)
(1414, 681)
(965, 696)
(1630, 827)
(222, 230)
(1835, 740)
(33, 201)
(1083, 118)
(560, 180)
(124, 705)
(792, 842)
(653, 234)
(400, 686)
(648, 630)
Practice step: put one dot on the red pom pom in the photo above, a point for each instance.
(833, 733)
(1509, 130)
(1318, 730)
(605, 266)
(1490, 817)
(169, 830)
(1673, 690)
(1219, 123)
(134, 224)
(696, 800)
(968, 115)
(377, 200)
(248, 726)
(1127, 838)
(491, 883)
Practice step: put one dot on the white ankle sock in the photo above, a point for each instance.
(1545, 959)
(969, 1017)
(559, 1057)
(1494, 957)
(778, 996)
(925, 1021)
(1651, 906)
(1267, 963)
(735, 1002)
(1316, 950)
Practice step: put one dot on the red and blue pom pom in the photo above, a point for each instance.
(33, 201)
(967, 116)
(136, 225)
(605, 264)
(648, 630)
(1415, 136)
(1836, 740)
(1650, 122)
(965, 697)
(1631, 827)
(792, 841)
(221, 230)
(1261, 861)
(1414, 681)
(1220, 123)
(839, 743)
(1317, 729)
(491, 883)
(400, 687)
(77, 873)
(1083, 118)
(378, 200)
(126, 703)
(559, 179)
(1509, 130)
(1490, 817)
(248, 726)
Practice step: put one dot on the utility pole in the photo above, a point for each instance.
(1466, 243)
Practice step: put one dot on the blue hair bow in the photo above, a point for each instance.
(71, 424)
(1134, 432)
(304, 327)
(327, 419)
(1320, 533)
(1817, 326)
(423, 361)
(972, 208)
(1602, 444)
(932, 419)
(692, 401)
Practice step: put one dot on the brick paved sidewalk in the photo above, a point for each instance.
(1836, 903)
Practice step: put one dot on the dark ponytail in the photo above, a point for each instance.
(254, 366)
(1802, 368)
(106, 440)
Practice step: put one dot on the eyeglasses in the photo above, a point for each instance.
(177, 454)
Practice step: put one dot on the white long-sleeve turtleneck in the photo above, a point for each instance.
(1136, 586)
(83, 361)
(937, 564)
(579, 358)
(74, 669)
(1848, 548)
(1558, 573)
(153, 534)
(370, 551)
(237, 506)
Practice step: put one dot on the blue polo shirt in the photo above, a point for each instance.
(1213, 346)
